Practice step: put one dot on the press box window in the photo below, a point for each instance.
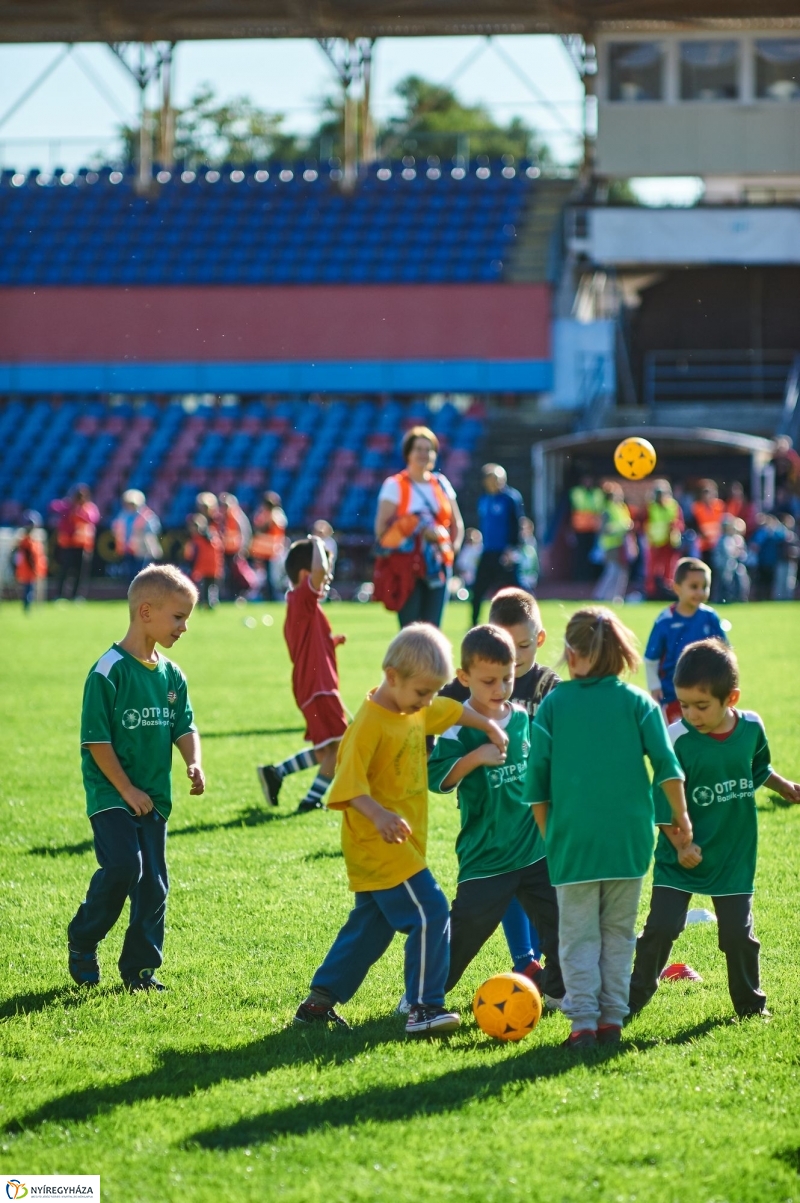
(778, 69)
(636, 71)
(709, 70)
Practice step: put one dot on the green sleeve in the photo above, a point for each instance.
(447, 752)
(98, 708)
(657, 745)
(184, 716)
(537, 781)
(762, 768)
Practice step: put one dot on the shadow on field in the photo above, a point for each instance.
(685, 1037)
(29, 1004)
(179, 1073)
(251, 816)
(446, 1093)
(248, 734)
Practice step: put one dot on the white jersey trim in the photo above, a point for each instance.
(676, 730)
(105, 664)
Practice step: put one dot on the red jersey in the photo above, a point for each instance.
(205, 553)
(308, 636)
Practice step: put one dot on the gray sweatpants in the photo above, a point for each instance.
(596, 942)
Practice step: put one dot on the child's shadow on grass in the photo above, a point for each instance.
(179, 1073)
(251, 816)
(446, 1093)
(33, 1001)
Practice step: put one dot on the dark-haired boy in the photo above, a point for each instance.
(315, 678)
(725, 756)
(686, 621)
(517, 612)
(500, 851)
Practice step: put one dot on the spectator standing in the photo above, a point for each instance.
(731, 579)
(76, 530)
(586, 515)
(500, 512)
(707, 512)
(468, 557)
(236, 533)
(268, 544)
(528, 556)
(419, 524)
(136, 531)
(204, 552)
(786, 569)
(765, 554)
(616, 543)
(30, 557)
(663, 525)
(740, 507)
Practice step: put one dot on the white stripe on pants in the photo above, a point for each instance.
(596, 942)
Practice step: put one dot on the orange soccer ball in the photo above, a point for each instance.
(635, 458)
(507, 1006)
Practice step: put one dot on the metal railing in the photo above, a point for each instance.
(713, 377)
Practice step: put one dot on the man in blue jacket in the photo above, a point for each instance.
(500, 511)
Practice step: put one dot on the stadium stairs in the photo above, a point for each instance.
(533, 257)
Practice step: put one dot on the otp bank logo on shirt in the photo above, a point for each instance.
(722, 791)
(149, 716)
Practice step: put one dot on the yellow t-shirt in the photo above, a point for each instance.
(383, 754)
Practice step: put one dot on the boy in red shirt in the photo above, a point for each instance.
(30, 558)
(206, 555)
(315, 678)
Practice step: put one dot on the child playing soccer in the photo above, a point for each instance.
(593, 802)
(381, 787)
(685, 621)
(315, 678)
(725, 756)
(517, 612)
(135, 707)
(500, 852)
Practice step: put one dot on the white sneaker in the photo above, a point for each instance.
(431, 1021)
(403, 1007)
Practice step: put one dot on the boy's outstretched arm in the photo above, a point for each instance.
(393, 829)
(108, 763)
(789, 790)
(485, 754)
(319, 564)
(471, 718)
(681, 823)
(189, 747)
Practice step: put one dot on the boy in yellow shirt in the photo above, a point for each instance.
(381, 787)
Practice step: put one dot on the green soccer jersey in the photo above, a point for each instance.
(498, 831)
(140, 712)
(588, 743)
(722, 777)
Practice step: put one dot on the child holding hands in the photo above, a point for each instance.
(381, 787)
(593, 802)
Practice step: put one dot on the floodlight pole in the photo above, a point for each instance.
(352, 60)
(145, 61)
(581, 49)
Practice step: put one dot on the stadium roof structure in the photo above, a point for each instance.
(182, 20)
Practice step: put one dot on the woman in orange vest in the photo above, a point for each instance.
(707, 512)
(268, 544)
(419, 531)
(30, 558)
(78, 517)
(236, 532)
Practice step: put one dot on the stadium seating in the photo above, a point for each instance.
(325, 458)
(237, 227)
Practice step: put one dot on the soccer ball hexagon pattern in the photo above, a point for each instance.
(507, 1006)
(635, 458)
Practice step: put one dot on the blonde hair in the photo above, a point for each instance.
(156, 582)
(597, 635)
(420, 648)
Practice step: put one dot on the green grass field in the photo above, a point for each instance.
(207, 1093)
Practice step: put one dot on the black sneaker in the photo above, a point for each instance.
(431, 1021)
(270, 781)
(314, 1012)
(309, 804)
(584, 1038)
(146, 980)
(83, 967)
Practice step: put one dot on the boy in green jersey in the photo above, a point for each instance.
(725, 756)
(500, 852)
(135, 707)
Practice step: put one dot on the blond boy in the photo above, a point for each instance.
(381, 787)
(135, 707)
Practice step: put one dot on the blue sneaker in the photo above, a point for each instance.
(83, 967)
(146, 980)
